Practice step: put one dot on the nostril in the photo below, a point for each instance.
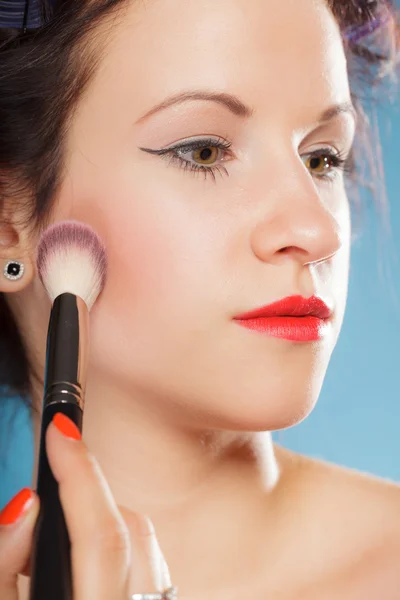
(291, 250)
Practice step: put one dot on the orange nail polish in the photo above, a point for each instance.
(17, 505)
(66, 426)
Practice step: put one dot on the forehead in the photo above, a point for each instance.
(268, 51)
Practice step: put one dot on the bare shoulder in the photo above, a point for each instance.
(361, 495)
(376, 576)
(358, 496)
(359, 503)
(356, 528)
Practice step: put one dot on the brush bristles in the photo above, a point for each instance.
(71, 258)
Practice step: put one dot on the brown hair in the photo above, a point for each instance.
(45, 71)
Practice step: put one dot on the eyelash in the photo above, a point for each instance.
(337, 159)
(171, 154)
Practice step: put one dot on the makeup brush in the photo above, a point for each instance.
(72, 265)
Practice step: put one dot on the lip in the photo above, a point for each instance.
(293, 318)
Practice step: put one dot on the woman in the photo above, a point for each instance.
(181, 395)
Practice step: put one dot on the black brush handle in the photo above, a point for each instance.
(66, 361)
(51, 577)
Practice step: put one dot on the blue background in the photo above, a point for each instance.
(357, 419)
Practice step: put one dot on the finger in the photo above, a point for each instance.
(100, 545)
(149, 571)
(17, 522)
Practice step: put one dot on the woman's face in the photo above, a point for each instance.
(188, 252)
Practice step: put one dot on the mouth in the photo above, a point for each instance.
(293, 318)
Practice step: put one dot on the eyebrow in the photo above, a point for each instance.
(338, 109)
(233, 103)
(236, 106)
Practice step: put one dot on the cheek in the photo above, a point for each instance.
(161, 253)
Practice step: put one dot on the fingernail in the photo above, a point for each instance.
(66, 426)
(16, 507)
(146, 526)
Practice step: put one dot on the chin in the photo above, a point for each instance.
(268, 413)
(248, 405)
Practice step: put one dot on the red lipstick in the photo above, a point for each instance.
(293, 318)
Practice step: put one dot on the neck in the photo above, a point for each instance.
(201, 489)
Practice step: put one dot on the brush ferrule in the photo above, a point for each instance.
(63, 391)
(67, 351)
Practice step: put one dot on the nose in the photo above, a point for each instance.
(295, 222)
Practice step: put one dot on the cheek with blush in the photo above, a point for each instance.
(157, 281)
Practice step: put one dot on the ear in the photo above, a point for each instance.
(15, 245)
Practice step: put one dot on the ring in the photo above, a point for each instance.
(168, 594)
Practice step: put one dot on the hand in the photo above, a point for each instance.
(114, 551)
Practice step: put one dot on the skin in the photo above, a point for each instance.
(179, 398)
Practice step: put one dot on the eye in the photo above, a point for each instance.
(324, 163)
(201, 155)
(208, 155)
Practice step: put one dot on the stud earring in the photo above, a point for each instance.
(14, 270)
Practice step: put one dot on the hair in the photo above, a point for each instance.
(44, 71)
